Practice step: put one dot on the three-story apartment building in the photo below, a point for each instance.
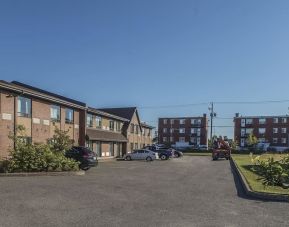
(273, 130)
(40, 112)
(190, 130)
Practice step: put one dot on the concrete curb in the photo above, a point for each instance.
(38, 174)
(254, 194)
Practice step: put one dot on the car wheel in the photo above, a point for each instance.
(163, 157)
(84, 168)
(177, 155)
(128, 158)
(149, 159)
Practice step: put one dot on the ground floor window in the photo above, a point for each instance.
(111, 149)
(131, 146)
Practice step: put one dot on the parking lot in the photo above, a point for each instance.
(191, 191)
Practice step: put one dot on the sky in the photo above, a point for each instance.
(158, 55)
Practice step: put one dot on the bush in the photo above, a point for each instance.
(27, 157)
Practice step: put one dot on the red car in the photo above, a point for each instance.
(221, 150)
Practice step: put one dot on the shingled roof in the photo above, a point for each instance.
(126, 112)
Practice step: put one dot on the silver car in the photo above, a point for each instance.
(141, 154)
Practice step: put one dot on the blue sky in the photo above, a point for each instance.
(152, 53)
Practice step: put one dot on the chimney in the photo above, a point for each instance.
(237, 115)
(204, 115)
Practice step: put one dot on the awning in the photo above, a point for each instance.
(102, 135)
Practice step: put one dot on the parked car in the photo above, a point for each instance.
(176, 153)
(84, 155)
(163, 153)
(201, 148)
(142, 154)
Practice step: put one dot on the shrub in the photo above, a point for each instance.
(27, 157)
(60, 142)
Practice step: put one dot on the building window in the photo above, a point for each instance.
(149, 133)
(118, 126)
(165, 130)
(171, 139)
(68, 116)
(182, 121)
(249, 121)
(25, 140)
(172, 121)
(24, 107)
(55, 113)
(98, 122)
(89, 122)
(243, 132)
(136, 129)
(242, 142)
(275, 140)
(111, 125)
(171, 130)
(193, 140)
(111, 149)
(275, 130)
(165, 121)
(248, 131)
(182, 139)
(262, 130)
(136, 146)
(198, 141)
(284, 140)
(262, 140)
(131, 146)
(275, 120)
(193, 130)
(284, 130)
(262, 121)
(131, 128)
(164, 139)
(284, 120)
(199, 121)
(182, 130)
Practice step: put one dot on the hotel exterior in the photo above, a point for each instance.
(41, 112)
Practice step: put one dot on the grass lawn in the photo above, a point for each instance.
(198, 154)
(245, 165)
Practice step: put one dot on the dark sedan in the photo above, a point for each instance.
(86, 157)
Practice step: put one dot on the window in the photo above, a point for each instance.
(182, 121)
(193, 140)
(165, 130)
(243, 132)
(262, 130)
(68, 116)
(111, 149)
(131, 128)
(249, 131)
(275, 120)
(284, 130)
(275, 140)
(284, 120)
(149, 133)
(55, 113)
(172, 121)
(194, 121)
(131, 146)
(198, 141)
(193, 130)
(165, 121)
(118, 126)
(249, 121)
(111, 125)
(182, 139)
(98, 122)
(199, 121)
(262, 140)
(242, 142)
(171, 130)
(171, 139)
(198, 132)
(182, 130)
(284, 140)
(23, 107)
(89, 122)
(275, 130)
(136, 129)
(164, 139)
(26, 140)
(262, 121)
(136, 146)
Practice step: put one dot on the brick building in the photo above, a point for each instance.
(190, 130)
(272, 130)
(137, 133)
(104, 133)
(40, 112)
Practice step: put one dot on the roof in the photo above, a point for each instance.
(105, 114)
(172, 118)
(17, 89)
(143, 124)
(48, 93)
(101, 135)
(125, 112)
(273, 116)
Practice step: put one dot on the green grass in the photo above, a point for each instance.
(245, 166)
(198, 154)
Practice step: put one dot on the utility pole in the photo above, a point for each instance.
(212, 115)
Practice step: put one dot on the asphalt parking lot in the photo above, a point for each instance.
(192, 191)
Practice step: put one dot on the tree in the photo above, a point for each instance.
(60, 142)
(252, 141)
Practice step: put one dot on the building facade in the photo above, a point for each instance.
(104, 133)
(189, 130)
(137, 133)
(40, 112)
(271, 130)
